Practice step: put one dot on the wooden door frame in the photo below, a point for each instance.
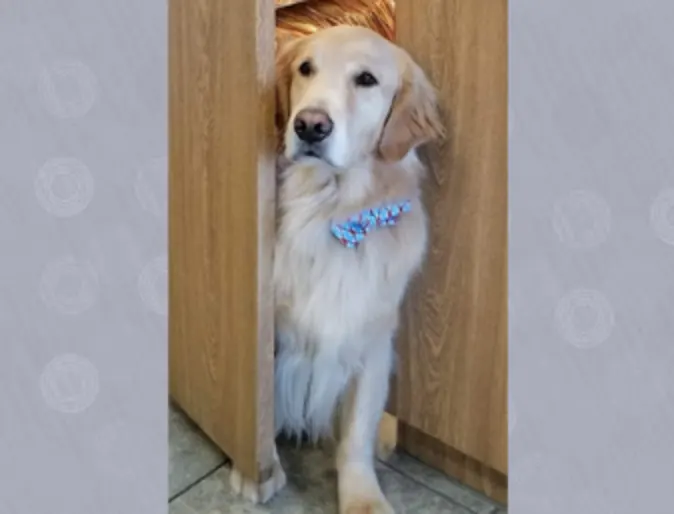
(221, 223)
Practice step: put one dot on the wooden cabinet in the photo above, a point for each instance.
(450, 395)
(221, 222)
(452, 384)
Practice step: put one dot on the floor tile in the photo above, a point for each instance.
(191, 454)
(178, 506)
(469, 498)
(311, 489)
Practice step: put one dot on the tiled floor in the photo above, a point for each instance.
(198, 482)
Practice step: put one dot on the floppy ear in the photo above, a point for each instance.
(414, 118)
(285, 57)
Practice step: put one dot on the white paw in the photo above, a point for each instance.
(256, 492)
(384, 449)
(367, 506)
(359, 492)
(387, 437)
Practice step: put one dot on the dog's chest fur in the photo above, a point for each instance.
(333, 303)
(327, 293)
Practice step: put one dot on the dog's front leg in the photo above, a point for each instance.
(359, 490)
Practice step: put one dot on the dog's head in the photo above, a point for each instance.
(346, 93)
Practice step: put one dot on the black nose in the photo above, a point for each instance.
(312, 125)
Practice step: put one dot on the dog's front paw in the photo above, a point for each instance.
(368, 506)
(359, 492)
(387, 438)
(256, 492)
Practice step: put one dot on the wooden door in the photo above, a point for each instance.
(221, 222)
(453, 341)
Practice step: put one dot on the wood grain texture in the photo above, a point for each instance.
(452, 383)
(471, 472)
(221, 222)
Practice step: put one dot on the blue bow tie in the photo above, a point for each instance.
(352, 231)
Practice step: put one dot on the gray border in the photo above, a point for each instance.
(591, 256)
(83, 325)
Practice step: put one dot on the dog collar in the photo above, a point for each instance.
(351, 232)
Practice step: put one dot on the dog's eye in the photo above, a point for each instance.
(365, 79)
(306, 69)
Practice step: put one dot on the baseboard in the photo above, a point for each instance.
(453, 463)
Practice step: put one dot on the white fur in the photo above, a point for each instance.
(334, 304)
(332, 89)
(336, 314)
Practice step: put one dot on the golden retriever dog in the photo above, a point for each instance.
(352, 110)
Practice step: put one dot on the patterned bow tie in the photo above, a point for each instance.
(352, 231)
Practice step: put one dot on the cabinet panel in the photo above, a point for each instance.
(221, 222)
(452, 384)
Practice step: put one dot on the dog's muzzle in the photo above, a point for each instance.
(312, 127)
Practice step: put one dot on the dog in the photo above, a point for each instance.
(352, 109)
